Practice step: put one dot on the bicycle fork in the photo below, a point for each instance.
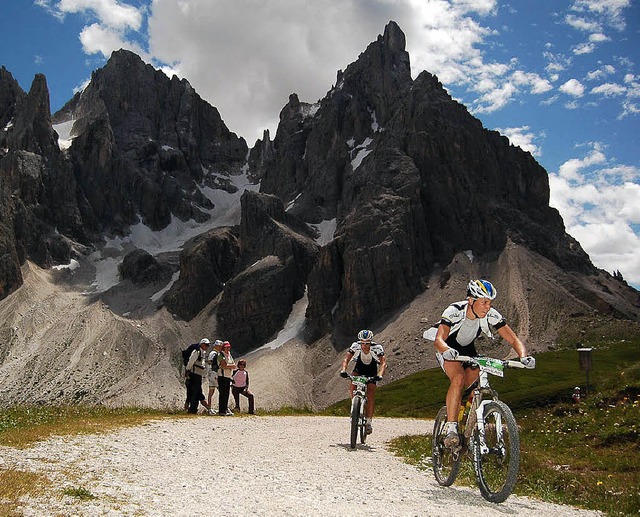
(484, 449)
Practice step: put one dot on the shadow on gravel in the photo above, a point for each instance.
(359, 447)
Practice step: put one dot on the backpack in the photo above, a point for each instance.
(215, 366)
(186, 353)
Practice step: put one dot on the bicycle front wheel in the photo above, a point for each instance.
(363, 422)
(355, 420)
(446, 462)
(496, 467)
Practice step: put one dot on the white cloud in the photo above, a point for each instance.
(570, 170)
(609, 11)
(581, 24)
(97, 38)
(609, 90)
(495, 99)
(111, 13)
(556, 62)
(599, 205)
(115, 23)
(536, 83)
(573, 87)
(584, 48)
(600, 73)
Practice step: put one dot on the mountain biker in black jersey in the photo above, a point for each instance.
(370, 362)
(460, 325)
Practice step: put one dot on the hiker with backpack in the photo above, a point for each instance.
(212, 369)
(195, 367)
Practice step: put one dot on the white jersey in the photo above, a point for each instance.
(376, 351)
(465, 331)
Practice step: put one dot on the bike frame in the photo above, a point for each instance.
(360, 391)
(483, 394)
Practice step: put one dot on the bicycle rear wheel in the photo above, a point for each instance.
(446, 463)
(496, 470)
(355, 420)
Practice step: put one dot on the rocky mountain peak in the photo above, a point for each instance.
(32, 129)
(147, 145)
(11, 98)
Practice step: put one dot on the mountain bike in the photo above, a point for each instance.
(358, 409)
(488, 432)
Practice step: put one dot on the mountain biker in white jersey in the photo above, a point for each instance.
(370, 362)
(460, 325)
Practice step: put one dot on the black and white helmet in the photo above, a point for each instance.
(365, 335)
(481, 289)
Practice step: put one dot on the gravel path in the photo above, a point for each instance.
(243, 466)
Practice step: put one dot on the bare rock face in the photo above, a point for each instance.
(258, 270)
(40, 190)
(256, 302)
(10, 274)
(412, 179)
(205, 266)
(141, 267)
(146, 144)
(11, 99)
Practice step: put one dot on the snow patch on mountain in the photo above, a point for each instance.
(172, 238)
(64, 133)
(293, 326)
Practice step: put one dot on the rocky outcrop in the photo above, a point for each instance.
(205, 266)
(260, 155)
(412, 179)
(42, 204)
(153, 141)
(10, 274)
(141, 267)
(256, 303)
(277, 256)
(11, 99)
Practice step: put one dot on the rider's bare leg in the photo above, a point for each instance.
(371, 400)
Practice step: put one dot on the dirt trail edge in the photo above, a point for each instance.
(241, 465)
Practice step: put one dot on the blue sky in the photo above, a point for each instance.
(560, 78)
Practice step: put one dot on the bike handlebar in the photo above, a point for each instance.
(352, 377)
(474, 360)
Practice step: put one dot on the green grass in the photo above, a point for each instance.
(20, 426)
(586, 454)
(79, 492)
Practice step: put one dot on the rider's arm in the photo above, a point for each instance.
(441, 337)
(510, 337)
(346, 360)
(383, 366)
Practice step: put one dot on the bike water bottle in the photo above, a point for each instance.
(461, 419)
